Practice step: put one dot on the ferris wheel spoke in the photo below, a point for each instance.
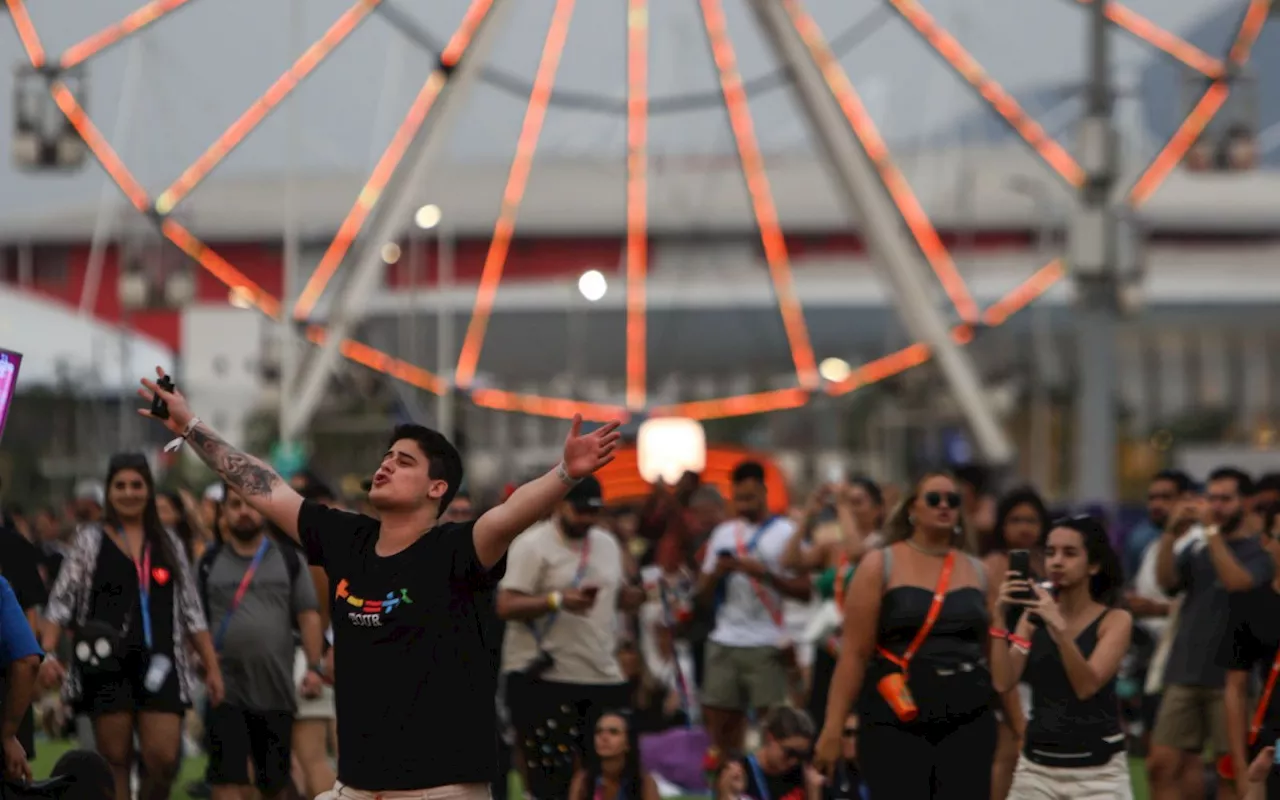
(964, 64)
(264, 105)
(637, 199)
(26, 32)
(1205, 109)
(390, 159)
(513, 195)
(113, 34)
(379, 361)
(895, 183)
(1139, 26)
(738, 405)
(751, 162)
(539, 406)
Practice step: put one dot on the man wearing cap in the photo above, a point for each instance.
(561, 599)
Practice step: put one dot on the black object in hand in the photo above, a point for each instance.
(1020, 563)
(159, 408)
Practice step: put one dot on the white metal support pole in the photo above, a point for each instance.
(108, 199)
(391, 218)
(896, 255)
(446, 358)
(287, 344)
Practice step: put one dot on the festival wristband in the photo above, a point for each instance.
(563, 474)
(998, 633)
(174, 445)
(1019, 643)
(555, 600)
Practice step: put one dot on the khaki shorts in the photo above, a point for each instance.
(743, 678)
(1110, 781)
(1191, 718)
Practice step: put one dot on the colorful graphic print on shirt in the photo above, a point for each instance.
(369, 613)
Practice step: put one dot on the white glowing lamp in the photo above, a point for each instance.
(668, 447)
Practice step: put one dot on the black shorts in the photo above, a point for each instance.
(238, 736)
(123, 689)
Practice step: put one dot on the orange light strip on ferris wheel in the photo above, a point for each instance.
(637, 200)
(100, 147)
(1161, 39)
(1054, 154)
(26, 32)
(741, 405)
(379, 361)
(1210, 103)
(762, 203)
(390, 159)
(264, 105)
(926, 236)
(87, 48)
(517, 181)
(499, 400)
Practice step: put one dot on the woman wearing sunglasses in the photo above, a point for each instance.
(1068, 648)
(779, 768)
(914, 655)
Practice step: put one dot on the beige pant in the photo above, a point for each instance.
(1107, 782)
(458, 791)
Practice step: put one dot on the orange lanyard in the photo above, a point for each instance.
(769, 602)
(844, 571)
(935, 608)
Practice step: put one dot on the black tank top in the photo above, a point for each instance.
(117, 600)
(948, 676)
(1064, 730)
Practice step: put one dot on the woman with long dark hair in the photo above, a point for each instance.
(127, 594)
(1022, 520)
(1068, 648)
(612, 770)
(859, 518)
(913, 654)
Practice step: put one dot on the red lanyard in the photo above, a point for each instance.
(843, 570)
(935, 608)
(769, 602)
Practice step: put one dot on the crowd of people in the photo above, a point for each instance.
(933, 640)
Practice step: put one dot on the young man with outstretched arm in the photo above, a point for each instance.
(412, 599)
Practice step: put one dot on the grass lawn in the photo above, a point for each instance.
(193, 769)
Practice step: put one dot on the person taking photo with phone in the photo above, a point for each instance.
(412, 598)
(1067, 648)
(561, 598)
(914, 655)
(1252, 646)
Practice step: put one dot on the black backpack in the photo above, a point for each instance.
(292, 561)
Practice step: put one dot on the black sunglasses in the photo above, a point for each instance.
(942, 499)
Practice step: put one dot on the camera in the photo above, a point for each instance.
(540, 664)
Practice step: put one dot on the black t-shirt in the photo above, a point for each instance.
(20, 565)
(1250, 644)
(415, 675)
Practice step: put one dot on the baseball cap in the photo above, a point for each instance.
(89, 489)
(587, 494)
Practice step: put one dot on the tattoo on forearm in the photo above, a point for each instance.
(247, 474)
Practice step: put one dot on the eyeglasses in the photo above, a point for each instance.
(942, 499)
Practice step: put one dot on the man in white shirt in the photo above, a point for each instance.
(561, 597)
(748, 654)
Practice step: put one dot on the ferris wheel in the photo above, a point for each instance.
(904, 242)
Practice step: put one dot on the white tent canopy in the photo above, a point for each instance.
(59, 345)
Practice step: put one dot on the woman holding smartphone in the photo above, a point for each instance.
(1068, 649)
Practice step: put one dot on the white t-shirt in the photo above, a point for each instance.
(743, 620)
(583, 646)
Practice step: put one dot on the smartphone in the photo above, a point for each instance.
(1020, 562)
(726, 553)
(159, 408)
(591, 592)
(1276, 758)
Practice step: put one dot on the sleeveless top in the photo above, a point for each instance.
(948, 676)
(1064, 730)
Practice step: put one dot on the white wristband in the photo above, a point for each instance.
(174, 445)
(565, 477)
